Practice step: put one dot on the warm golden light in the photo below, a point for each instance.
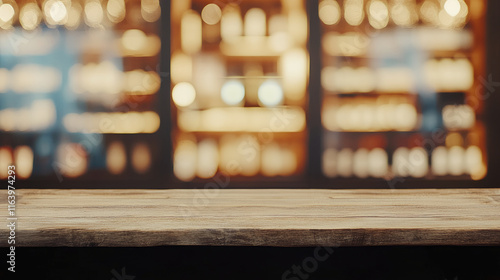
(56, 12)
(23, 157)
(116, 10)
(139, 82)
(439, 161)
(456, 163)
(30, 16)
(404, 13)
(94, 13)
(255, 22)
(370, 117)
(134, 39)
(458, 116)
(360, 163)
(233, 92)
(329, 165)
(347, 44)
(150, 10)
(181, 68)
(119, 123)
(473, 160)
(185, 160)
(452, 7)
(34, 78)
(378, 14)
(418, 162)
(5, 160)
(353, 12)
(400, 162)
(272, 160)
(345, 162)
(116, 158)
(231, 23)
(429, 12)
(270, 93)
(141, 158)
(7, 13)
(211, 14)
(40, 115)
(71, 160)
(191, 33)
(378, 162)
(183, 94)
(236, 119)
(74, 16)
(293, 67)
(449, 74)
(207, 159)
(298, 26)
(329, 12)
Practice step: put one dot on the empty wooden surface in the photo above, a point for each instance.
(255, 217)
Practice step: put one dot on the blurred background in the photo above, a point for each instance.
(248, 93)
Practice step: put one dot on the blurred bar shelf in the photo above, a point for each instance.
(246, 217)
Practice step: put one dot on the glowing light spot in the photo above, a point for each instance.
(378, 14)
(183, 94)
(5, 160)
(329, 12)
(141, 158)
(211, 14)
(270, 93)
(400, 164)
(116, 10)
(94, 13)
(208, 158)
(452, 7)
(377, 162)
(345, 162)
(329, 165)
(150, 10)
(353, 12)
(293, 67)
(439, 161)
(255, 22)
(74, 16)
(232, 92)
(7, 13)
(185, 160)
(418, 162)
(231, 23)
(181, 68)
(456, 160)
(272, 162)
(71, 160)
(134, 39)
(429, 12)
(30, 16)
(55, 12)
(191, 32)
(360, 163)
(116, 158)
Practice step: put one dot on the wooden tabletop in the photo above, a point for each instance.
(254, 217)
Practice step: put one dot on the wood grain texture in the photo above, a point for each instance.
(255, 217)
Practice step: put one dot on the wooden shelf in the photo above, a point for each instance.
(265, 217)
